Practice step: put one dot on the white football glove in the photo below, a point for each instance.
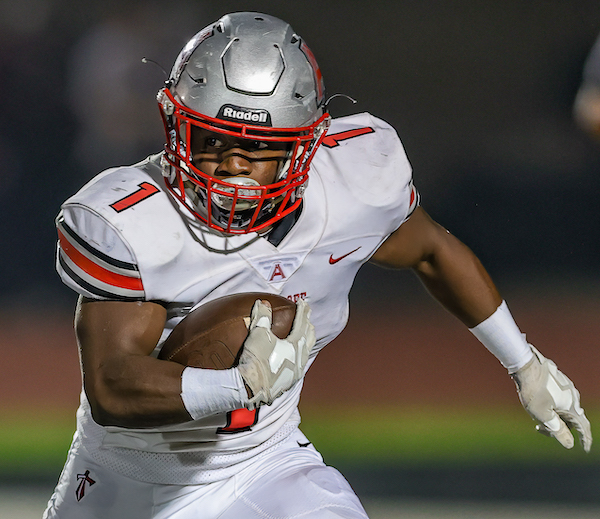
(551, 399)
(269, 365)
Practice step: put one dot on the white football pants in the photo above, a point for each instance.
(290, 482)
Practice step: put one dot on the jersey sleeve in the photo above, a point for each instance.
(372, 170)
(395, 175)
(93, 259)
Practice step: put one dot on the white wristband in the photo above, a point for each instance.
(501, 336)
(207, 392)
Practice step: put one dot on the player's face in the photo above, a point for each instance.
(223, 156)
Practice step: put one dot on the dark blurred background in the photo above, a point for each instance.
(480, 92)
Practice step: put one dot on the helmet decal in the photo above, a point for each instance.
(239, 114)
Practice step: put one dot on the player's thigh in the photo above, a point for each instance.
(295, 483)
(316, 492)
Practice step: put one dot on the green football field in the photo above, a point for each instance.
(37, 440)
(430, 435)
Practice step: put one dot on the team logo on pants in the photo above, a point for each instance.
(84, 479)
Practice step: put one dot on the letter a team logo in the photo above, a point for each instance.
(84, 479)
(277, 273)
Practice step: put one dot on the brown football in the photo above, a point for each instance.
(212, 335)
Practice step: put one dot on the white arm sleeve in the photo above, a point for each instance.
(207, 392)
(501, 336)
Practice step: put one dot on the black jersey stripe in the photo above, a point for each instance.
(91, 288)
(95, 252)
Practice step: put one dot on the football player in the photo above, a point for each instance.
(229, 206)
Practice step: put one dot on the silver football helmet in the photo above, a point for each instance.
(249, 77)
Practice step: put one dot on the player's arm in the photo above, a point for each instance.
(447, 267)
(123, 383)
(456, 278)
(117, 333)
(128, 387)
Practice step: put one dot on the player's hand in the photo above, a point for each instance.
(269, 365)
(552, 400)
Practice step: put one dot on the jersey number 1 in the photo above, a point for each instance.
(145, 190)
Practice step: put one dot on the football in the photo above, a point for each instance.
(212, 335)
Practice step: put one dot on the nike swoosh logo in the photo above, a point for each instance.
(333, 261)
(303, 444)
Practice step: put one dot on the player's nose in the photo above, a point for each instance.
(234, 164)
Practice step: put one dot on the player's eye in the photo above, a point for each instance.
(214, 142)
(250, 145)
(260, 145)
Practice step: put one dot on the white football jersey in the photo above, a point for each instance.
(123, 236)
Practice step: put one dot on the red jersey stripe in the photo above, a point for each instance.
(96, 271)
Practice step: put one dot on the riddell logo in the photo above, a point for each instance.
(239, 114)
